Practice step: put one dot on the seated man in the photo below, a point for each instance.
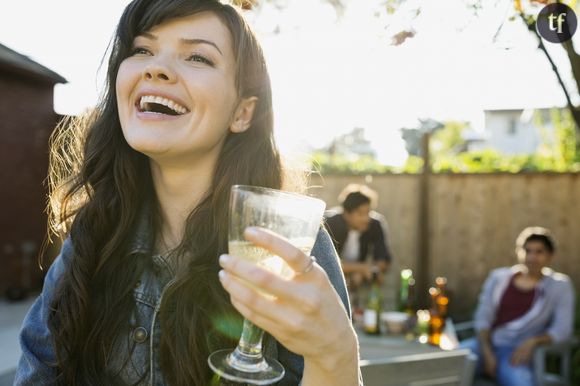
(356, 232)
(519, 308)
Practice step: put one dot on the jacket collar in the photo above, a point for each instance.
(142, 241)
(143, 238)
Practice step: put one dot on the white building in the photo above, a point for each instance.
(513, 131)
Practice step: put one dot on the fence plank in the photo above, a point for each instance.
(473, 223)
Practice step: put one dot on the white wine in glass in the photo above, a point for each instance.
(292, 216)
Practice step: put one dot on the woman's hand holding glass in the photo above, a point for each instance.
(304, 312)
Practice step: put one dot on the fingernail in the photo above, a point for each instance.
(222, 274)
(224, 259)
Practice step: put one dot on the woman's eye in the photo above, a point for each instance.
(140, 51)
(200, 58)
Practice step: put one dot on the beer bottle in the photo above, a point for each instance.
(442, 297)
(372, 311)
(436, 322)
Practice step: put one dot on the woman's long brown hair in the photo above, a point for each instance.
(100, 185)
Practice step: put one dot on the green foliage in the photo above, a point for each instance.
(449, 139)
(563, 147)
(365, 164)
(491, 161)
(558, 152)
(413, 165)
(337, 164)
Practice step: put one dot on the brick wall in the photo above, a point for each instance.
(27, 119)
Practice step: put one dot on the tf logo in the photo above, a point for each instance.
(557, 23)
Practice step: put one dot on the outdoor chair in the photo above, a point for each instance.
(563, 351)
(445, 368)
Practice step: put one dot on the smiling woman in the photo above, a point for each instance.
(134, 297)
(188, 64)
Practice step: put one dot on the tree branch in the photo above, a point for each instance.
(573, 110)
(574, 61)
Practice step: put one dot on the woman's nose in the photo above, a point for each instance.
(157, 71)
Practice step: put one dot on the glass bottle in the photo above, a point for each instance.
(356, 308)
(436, 322)
(406, 278)
(442, 298)
(410, 304)
(372, 312)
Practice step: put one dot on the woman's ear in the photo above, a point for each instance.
(243, 115)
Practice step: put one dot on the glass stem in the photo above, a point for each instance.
(251, 340)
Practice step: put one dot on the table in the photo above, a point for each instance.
(389, 346)
(393, 360)
(395, 345)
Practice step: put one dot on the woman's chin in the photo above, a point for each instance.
(150, 148)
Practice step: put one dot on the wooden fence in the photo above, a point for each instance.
(472, 221)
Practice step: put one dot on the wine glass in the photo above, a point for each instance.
(292, 216)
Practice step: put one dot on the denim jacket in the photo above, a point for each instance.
(38, 351)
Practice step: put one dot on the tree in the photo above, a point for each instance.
(523, 11)
(351, 153)
(557, 153)
(413, 136)
(449, 140)
(526, 11)
(526, 14)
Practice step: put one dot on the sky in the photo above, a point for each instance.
(330, 74)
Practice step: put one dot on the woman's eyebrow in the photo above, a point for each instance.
(194, 41)
(201, 41)
(147, 35)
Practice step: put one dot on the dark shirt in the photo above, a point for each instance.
(514, 303)
(373, 238)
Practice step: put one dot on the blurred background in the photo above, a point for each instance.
(456, 112)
